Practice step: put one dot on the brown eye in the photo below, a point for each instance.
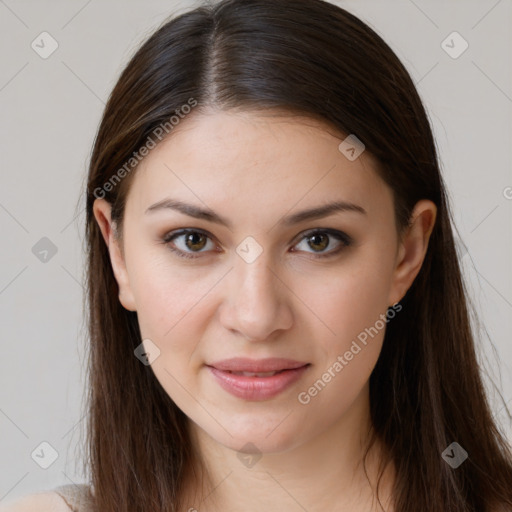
(195, 241)
(323, 242)
(318, 241)
(188, 243)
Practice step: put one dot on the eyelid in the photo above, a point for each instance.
(171, 235)
(335, 233)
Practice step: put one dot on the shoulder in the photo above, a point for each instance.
(47, 501)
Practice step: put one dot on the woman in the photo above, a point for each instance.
(277, 315)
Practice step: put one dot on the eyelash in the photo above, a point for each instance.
(345, 240)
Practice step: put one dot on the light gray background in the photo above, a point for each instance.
(50, 111)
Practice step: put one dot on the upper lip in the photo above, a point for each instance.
(243, 364)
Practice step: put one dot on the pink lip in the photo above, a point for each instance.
(257, 388)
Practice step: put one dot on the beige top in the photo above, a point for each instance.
(78, 497)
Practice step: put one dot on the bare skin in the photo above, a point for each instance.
(253, 170)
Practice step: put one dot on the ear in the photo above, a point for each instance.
(102, 212)
(412, 249)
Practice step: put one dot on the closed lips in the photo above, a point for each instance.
(257, 380)
(253, 374)
(257, 367)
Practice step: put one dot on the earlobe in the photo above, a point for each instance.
(102, 212)
(413, 248)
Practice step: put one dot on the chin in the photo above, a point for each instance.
(250, 439)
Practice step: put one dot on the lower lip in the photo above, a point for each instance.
(257, 388)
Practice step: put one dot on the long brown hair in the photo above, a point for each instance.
(314, 58)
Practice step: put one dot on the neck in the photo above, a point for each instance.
(329, 470)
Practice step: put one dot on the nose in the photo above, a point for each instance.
(257, 302)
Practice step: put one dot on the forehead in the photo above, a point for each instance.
(255, 163)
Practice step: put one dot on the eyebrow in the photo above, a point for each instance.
(209, 215)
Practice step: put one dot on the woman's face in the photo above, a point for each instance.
(252, 281)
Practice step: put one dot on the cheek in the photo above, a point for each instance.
(154, 284)
(350, 297)
(165, 304)
(169, 311)
(353, 304)
(173, 302)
